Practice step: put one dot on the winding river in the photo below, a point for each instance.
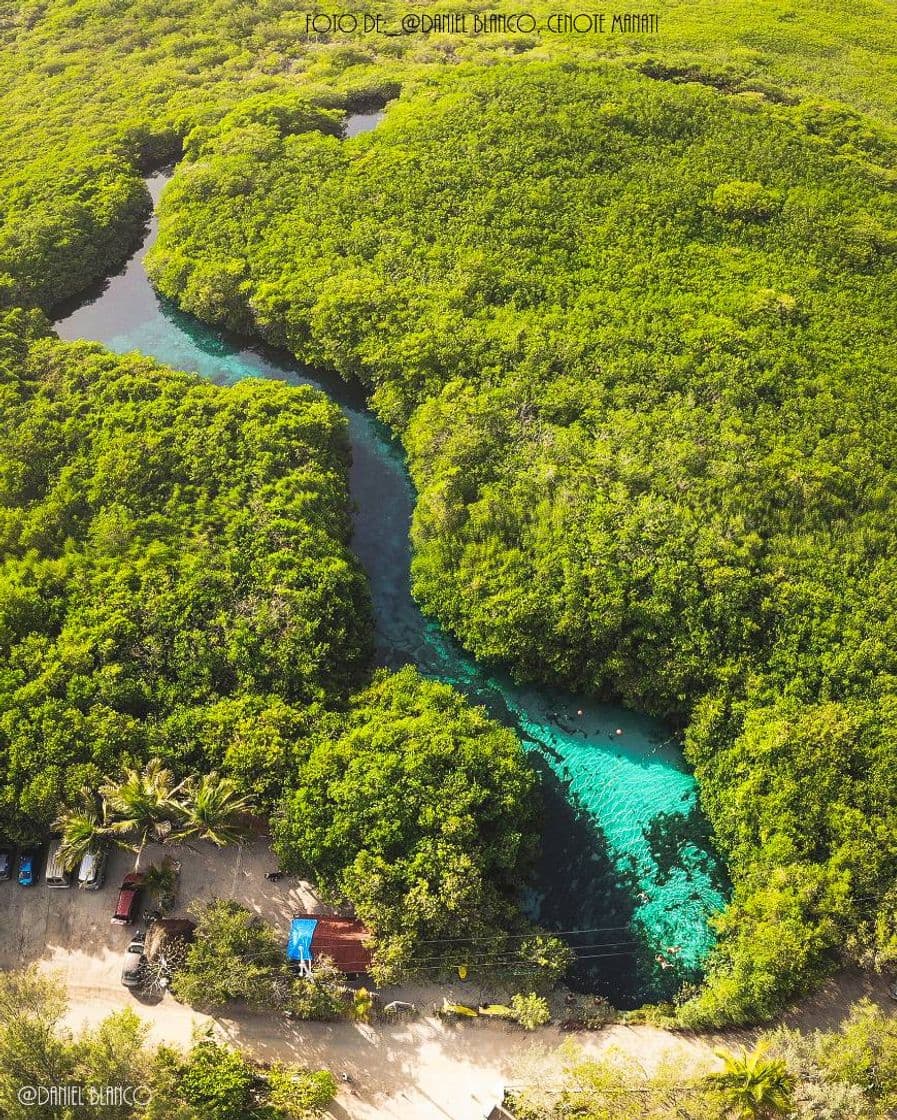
(627, 868)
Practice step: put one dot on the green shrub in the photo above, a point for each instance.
(531, 1011)
(300, 1093)
(748, 201)
(233, 956)
(218, 1082)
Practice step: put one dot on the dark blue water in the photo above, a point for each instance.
(627, 867)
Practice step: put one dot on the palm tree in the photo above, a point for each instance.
(753, 1086)
(214, 809)
(84, 829)
(143, 802)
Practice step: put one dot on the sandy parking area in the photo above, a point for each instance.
(71, 931)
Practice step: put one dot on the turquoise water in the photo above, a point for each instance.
(627, 865)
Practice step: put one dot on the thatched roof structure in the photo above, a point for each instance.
(164, 930)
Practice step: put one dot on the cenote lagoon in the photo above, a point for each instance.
(627, 868)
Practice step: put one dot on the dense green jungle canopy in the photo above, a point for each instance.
(91, 91)
(174, 568)
(616, 320)
(634, 326)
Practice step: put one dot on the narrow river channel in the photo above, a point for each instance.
(627, 868)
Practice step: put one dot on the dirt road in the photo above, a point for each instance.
(427, 1069)
(422, 1070)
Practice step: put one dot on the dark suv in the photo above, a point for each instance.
(7, 859)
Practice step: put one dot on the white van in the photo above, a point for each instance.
(56, 875)
(92, 871)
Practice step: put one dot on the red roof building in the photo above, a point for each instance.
(340, 939)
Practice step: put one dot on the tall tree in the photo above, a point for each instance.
(32, 1053)
(144, 802)
(234, 956)
(84, 828)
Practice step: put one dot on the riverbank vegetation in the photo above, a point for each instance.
(421, 812)
(619, 339)
(175, 558)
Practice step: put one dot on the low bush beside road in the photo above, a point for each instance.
(207, 1082)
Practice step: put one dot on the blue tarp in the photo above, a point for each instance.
(302, 930)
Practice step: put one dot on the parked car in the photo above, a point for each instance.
(92, 870)
(56, 874)
(29, 866)
(7, 859)
(132, 968)
(128, 899)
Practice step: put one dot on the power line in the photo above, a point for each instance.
(507, 963)
(535, 933)
(497, 957)
(518, 968)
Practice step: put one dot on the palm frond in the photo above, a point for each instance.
(215, 810)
